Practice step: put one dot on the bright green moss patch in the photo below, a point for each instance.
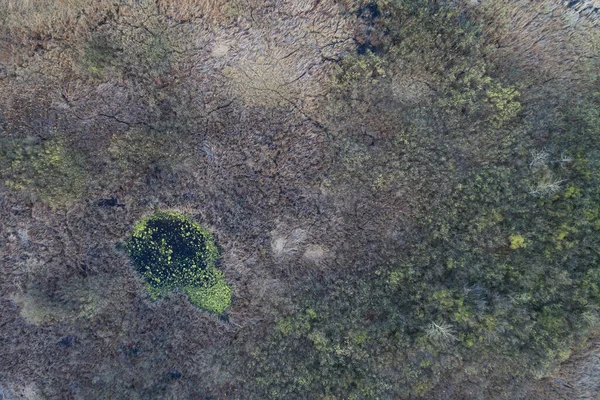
(215, 298)
(173, 251)
(517, 242)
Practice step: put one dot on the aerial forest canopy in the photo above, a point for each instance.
(247, 199)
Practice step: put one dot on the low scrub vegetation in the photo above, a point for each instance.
(406, 196)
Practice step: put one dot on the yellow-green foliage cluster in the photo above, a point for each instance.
(517, 242)
(216, 298)
(172, 251)
(47, 168)
(474, 88)
(505, 102)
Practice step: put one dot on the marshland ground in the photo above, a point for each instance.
(405, 196)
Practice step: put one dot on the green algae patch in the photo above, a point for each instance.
(174, 252)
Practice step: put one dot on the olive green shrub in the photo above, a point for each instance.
(47, 168)
(498, 275)
(172, 251)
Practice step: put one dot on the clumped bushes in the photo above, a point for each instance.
(172, 251)
(500, 265)
(48, 168)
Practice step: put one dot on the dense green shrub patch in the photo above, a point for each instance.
(172, 251)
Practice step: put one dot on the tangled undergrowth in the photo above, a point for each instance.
(405, 192)
(173, 251)
(48, 168)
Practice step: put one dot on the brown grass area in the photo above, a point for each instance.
(544, 36)
(190, 139)
(45, 19)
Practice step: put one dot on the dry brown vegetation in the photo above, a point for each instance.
(316, 169)
(540, 37)
(194, 137)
